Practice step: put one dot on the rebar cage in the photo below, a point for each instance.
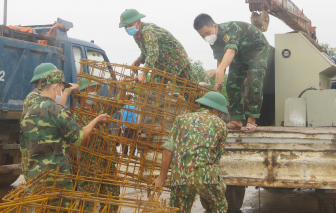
(141, 116)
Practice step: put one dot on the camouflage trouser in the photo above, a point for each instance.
(183, 196)
(24, 165)
(184, 73)
(65, 202)
(102, 189)
(252, 68)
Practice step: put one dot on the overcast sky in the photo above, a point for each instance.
(98, 20)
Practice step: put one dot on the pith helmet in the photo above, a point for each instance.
(214, 100)
(129, 16)
(41, 70)
(53, 77)
(84, 84)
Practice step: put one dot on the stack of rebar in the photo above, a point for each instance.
(123, 153)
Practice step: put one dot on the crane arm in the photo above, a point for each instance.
(284, 10)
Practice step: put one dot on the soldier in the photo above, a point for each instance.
(104, 189)
(194, 148)
(34, 96)
(159, 48)
(245, 49)
(47, 130)
(131, 117)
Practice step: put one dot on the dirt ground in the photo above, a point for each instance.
(303, 201)
(297, 201)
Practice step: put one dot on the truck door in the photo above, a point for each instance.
(97, 55)
(78, 54)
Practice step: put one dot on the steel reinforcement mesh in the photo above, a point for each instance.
(141, 116)
(36, 196)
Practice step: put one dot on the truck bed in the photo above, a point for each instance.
(285, 157)
(19, 56)
(15, 34)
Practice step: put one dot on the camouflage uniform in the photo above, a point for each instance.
(197, 142)
(160, 49)
(94, 187)
(46, 131)
(250, 62)
(31, 98)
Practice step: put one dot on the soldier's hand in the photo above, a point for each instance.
(140, 78)
(102, 118)
(159, 181)
(67, 91)
(219, 75)
(137, 62)
(218, 87)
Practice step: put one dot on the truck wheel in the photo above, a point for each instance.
(234, 196)
(7, 179)
(326, 205)
(279, 191)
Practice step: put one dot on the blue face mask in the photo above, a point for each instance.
(131, 31)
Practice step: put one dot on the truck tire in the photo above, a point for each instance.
(9, 134)
(326, 205)
(234, 196)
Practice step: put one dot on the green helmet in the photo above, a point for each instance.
(84, 84)
(41, 70)
(214, 100)
(129, 16)
(53, 77)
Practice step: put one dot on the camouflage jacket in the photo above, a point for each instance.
(197, 142)
(242, 37)
(160, 49)
(46, 131)
(31, 98)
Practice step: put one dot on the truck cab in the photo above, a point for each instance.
(20, 53)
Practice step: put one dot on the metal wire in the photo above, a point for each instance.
(101, 159)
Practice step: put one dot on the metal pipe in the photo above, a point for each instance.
(5, 13)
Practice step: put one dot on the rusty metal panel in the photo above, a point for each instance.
(321, 114)
(281, 159)
(10, 115)
(295, 112)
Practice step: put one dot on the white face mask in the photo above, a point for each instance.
(211, 38)
(58, 98)
(89, 101)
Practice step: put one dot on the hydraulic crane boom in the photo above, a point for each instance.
(284, 10)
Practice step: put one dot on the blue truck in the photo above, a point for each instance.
(20, 53)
